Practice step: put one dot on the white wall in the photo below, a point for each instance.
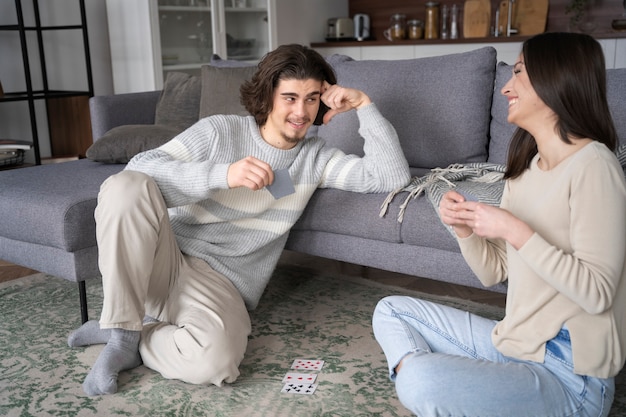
(64, 49)
(305, 21)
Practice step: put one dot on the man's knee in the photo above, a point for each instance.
(213, 362)
(126, 191)
(127, 183)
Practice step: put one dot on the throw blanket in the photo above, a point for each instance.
(480, 179)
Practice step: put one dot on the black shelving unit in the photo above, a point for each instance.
(31, 95)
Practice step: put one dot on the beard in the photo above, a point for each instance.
(294, 140)
(296, 137)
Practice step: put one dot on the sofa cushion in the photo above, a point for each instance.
(56, 208)
(220, 89)
(350, 214)
(438, 105)
(500, 130)
(121, 143)
(421, 226)
(177, 109)
(179, 102)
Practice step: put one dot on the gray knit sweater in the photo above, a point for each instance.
(241, 232)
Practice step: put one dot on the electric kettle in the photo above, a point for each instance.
(361, 26)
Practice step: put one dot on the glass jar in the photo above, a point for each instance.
(397, 27)
(431, 27)
(415, 29)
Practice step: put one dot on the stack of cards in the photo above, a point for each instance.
(302, 379)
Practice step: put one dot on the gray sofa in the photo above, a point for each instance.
(446, 110)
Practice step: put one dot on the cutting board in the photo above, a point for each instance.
(503, 16)
(530, 16)
(476, 18)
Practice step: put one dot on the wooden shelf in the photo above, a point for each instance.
(491, 40)
(603, 14)
(40, 95)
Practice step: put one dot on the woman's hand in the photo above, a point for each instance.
(467, 217)
(451, 207)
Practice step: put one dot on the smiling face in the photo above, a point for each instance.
(524, 103)
(295, 105)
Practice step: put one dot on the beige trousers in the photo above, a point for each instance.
(203, 327)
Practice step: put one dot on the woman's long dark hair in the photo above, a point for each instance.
(567, 71)
(286, 62)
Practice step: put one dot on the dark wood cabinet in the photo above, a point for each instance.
(603, 12)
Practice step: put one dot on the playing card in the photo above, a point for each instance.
(305, 389)
(467, 196)
(307, 364)
(282, 185)
(299, 378)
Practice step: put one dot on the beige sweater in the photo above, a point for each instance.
(572, 271)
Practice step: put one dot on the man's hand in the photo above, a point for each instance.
(251, 173)
(341, 99)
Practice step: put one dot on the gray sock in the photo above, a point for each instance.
(121, 353)
(89, 334)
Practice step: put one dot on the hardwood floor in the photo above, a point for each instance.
(9, 272)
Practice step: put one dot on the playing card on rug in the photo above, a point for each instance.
(282, 185)
(299, 378)
(307, 364)
(305, 389)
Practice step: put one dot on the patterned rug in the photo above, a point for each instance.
(303, 314)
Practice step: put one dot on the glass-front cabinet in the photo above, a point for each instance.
(148, 38)
(191, 31)
(151, 37)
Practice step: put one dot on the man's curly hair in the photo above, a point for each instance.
(287, 62)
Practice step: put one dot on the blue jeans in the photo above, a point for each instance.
(451, 368)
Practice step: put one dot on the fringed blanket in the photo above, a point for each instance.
(480, 179)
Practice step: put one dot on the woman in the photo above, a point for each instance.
(559, 238)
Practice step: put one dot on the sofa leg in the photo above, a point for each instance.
(82, 291)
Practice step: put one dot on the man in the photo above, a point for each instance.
(190, 233)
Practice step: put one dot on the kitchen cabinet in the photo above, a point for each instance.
(190, 33)
(148, 38)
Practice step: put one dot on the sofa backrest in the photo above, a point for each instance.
(500, 130)
(446, 109)
(616, 95)
(438, 105)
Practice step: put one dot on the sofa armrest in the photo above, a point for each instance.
(109, 111)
